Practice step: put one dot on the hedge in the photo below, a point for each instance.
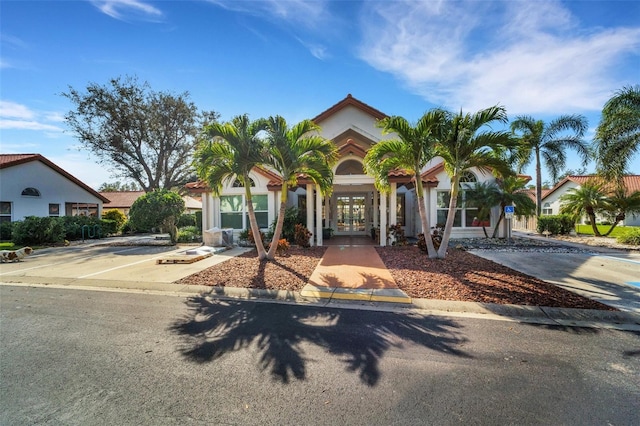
(555, 224)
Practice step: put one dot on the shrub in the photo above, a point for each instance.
(73, 227)
(5, 230)
(189, 234)
(397, 233)
(117, 216)
(631, 237)
(283, 246)
(108, 227)
(160, 208)
(39, 230)
(251, 239)
(185, 220)
(555, 224)
(302, 235)
(291, 218)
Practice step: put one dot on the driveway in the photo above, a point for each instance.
(105, 265)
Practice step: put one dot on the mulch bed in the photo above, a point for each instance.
(462, 276)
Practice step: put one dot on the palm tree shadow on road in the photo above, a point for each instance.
(214, 328)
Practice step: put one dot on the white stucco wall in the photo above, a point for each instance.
(353, 118)
(54, 189)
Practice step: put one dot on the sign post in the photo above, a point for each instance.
(508, 215)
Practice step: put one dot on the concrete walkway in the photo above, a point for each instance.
(353, 273)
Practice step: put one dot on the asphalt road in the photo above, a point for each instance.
(90, 357)
(612, 278)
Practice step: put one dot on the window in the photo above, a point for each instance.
(400, 210)
(30, 192)
(238, 184)
(234, 213)
(546, 209)
(54, 210)
(5, 211)
(464, 215)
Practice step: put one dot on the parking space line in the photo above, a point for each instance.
(29, 269)
(120, 267)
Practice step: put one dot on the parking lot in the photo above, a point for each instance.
(106, 265)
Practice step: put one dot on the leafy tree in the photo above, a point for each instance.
(586, 199)
(617, 138)
(294, 151)
(547, 144)
(117, 186)
(159, 208)
(410, 152)
(464, 145)
(144, 135)
(230, 151)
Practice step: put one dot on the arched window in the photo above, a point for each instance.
(350, 167)
(546, 209)
(30, 192)
(238, 184)
(467, 177)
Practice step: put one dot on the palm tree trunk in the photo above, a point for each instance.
(453, 204)
(592, 220)
(262, 253)
(431, 250)
(279, 223)
(538, 183)
(495, 230)
(619, 218)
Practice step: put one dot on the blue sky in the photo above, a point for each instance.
(297, 58)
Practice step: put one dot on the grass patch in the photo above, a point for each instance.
(618, 231)
(7, 245)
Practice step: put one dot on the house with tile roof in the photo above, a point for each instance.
(123, 200)
(32, 185)
(551, 202)
(354, 207)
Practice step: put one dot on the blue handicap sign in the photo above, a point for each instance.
(509, 209)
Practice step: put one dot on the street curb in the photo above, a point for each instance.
(567, 317)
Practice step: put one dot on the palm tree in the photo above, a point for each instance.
(294, 151)
(410, 152)
(230, 151)
(586, 199)
(462, 146)
(547, 144)
(619, 204)
(617, 138)
(483, 196)
(511, 193)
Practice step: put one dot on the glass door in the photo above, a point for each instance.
(351, 214)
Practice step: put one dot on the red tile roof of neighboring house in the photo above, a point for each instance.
(121, 199)
(349, 100)
(10, 160)
(631, 183)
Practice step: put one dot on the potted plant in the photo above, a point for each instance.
(327, 233)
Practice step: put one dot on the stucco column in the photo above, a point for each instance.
(383, 219)
(310, 212)
(318, 217)
(376, 207)
(393, 205)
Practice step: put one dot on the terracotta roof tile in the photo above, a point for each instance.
(121, 199)
(349, 100)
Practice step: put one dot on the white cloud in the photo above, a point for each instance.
(530, 57)
(128, 9)
(10, 109)
(15, 116)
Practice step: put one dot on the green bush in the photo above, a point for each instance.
(555, 224)
(117, 216)
(38, 230)
(291, 219)
(73, 226)
(185, 220)
(631, 237)
(189, 234)
(108, 227)
(157, 209)
(302, 236)
(5, 230)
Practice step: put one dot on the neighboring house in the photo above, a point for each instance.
(123, 200)
(31, 185)
(355, 207)
(551, 202)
